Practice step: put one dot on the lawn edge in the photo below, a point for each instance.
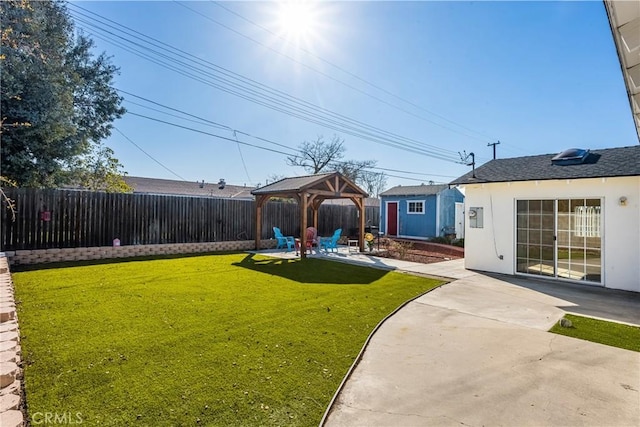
(551, 331)
(604, 319)
(358, 358)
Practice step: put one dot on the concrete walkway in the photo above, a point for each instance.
(476, 352)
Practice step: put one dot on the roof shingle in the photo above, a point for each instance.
(609, 162)
(414, 190)
(291, 184)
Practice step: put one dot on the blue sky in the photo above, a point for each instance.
(441, 77)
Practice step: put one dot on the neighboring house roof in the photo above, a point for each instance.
(624, 19)
(368, 201)
(187, 188)
(610, 162)
(414, 190)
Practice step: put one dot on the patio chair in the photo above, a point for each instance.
(330, 242)
(283, 241)
(312, 239)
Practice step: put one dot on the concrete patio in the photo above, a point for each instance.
(476, 351)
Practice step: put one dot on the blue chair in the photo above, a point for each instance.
(283, 241)
(331, 242)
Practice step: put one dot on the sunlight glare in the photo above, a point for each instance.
(297, 19)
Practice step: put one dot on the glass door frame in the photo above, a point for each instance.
(556, 233)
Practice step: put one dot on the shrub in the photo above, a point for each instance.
(458, 242)
(441, 239)
(401, 248)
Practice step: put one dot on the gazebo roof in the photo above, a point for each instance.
(328, 185)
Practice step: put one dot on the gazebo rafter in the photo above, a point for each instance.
(310, 191)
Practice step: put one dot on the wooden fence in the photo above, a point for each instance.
(68, 219)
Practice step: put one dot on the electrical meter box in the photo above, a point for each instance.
(476, 217)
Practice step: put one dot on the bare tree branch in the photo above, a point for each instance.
(11, 204)
(315, 156)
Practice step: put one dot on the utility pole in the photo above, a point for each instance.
(472, 164)
(494, 148)
(465, 158)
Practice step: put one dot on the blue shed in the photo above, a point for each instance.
(421, 211)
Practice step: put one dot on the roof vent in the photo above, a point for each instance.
(221, 184)
(572, 156)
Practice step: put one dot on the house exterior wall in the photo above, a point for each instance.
(620, 224)
(418, 226)
(447, 210)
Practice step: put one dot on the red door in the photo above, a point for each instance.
(392, 219)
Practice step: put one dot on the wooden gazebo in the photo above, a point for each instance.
(310, 191)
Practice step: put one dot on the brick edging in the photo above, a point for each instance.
(11, 397)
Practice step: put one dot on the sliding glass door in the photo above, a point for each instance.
(560, 238)
(535, 227)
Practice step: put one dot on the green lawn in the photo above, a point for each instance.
(600, 331)
(231, 339)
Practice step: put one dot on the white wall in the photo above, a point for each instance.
(621, 224)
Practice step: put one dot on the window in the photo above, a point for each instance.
(415, 207)
(587, 221)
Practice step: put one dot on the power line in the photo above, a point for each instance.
(412, 173)
(236, 131)
(246, 171)
(211, 123)
(244, 143)
(147, 154)
(208, 133)
(248, 89)
(367, 135)
(157, 110)
(306, 51)
(221, 126)
(262, 148)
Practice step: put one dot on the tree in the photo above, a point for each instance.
(57, 99)
(274, 177)
(315, 156)
(322, 156)
(355, 170)
(99, 170)
(374, 183)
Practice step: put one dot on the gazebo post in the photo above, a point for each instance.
(315, 201)
(303, 225)
(360, 205)
(259, 202)
(314, 209)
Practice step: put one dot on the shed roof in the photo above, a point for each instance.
(414, 190)
(609, 162)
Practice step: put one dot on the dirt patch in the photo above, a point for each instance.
(417, 251)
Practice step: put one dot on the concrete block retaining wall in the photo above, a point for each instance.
(10, 365)
(40, 256)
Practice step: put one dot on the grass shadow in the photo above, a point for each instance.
(312, 270)
(82, 263)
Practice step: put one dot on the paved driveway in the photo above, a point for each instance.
(475, 352)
